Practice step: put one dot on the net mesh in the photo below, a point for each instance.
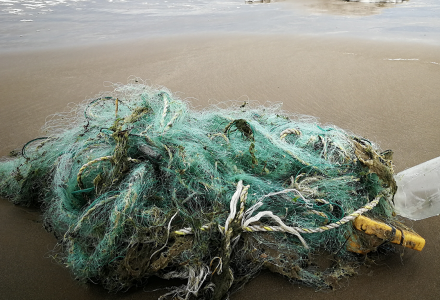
(135, 183)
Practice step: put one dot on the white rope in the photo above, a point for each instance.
(233, 205)
(277, 219)
(170, 123)
(288, 131)
(195, 282)
(250, 211)
(285, 192)
(165, 110)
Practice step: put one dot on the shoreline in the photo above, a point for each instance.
(360, 82)
(387, 41)
(386, 92)
(96, 23)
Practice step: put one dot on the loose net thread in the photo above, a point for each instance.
(135, 184)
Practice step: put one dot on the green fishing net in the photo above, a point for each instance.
(136, 184)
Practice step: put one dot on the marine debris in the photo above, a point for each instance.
(136, 184)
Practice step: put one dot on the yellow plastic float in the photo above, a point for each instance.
(373, 233)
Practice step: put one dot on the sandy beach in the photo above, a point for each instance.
(386, 92)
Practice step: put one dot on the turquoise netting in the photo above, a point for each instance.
(135, 184)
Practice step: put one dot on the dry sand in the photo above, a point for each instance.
(388, 93)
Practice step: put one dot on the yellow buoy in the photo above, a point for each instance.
(384, 233)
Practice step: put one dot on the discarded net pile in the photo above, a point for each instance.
(135, 184)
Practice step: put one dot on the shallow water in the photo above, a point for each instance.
(31, 24)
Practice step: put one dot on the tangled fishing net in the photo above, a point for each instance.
(135, 184)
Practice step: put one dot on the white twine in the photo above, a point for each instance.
(233, 205)
(165, 109)
(277, 219)
(168, 235)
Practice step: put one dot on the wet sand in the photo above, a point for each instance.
(388, 93)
